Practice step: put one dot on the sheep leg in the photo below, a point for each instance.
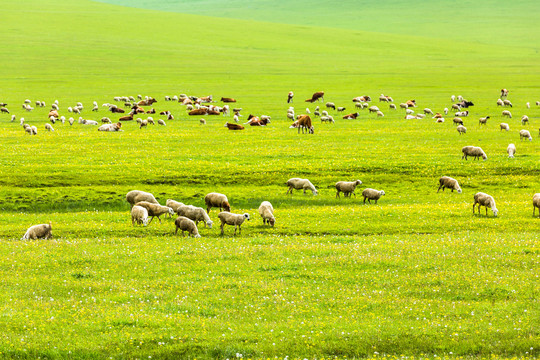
(151, 218)
(159, 219)
(176, 231)
(182, 233)
(364, 200)
(337, 194)
(486, 210)
(222, 225)
(239, 229)
(473, 205)
(208, 209)
(235, 226)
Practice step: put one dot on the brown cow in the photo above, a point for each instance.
(256, 121)
(290, 97)
(411, 103)
(213, 112)
(319, 95)
(147, 102)
(227, 100)
(234, 126)
(151, 111)
(303, 122)
(115, 110)
(363, 98)
(504, 93)
(351, 116)
(126, 118)
(201, 111)
(205, 99)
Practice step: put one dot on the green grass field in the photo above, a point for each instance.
(417, 275)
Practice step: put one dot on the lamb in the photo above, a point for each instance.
(474, 151)
(450, 183)
(216, 200)
(511, 150)
(507, 102)
(380, 113)
(507, 114)
(13, 118)
(461, 129)
(139, 215)
(483, 199)
(456, 107)
(267, 213)
(41, 231)
(135, 196)
(71, 121)
(143, 123)
(392, 106)
(445, 111)
(330, 105)
(524, 119)
(403, 106)
(525, 134)
(347, 187)
(161, 122)
(458, 121)
(155, 210)
(500, 102)
(232, 219)
(453, 98)
(504, 126)
(48, 127)
(536, 203)
(4, 110)
(428, 111)
(195, 213)
(111, 127)
(185, 224)
(299, 184)
(483, 120)
(373, 109)
(34, 130)
(528, 105)
(372, 194)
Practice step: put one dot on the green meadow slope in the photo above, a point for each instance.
(415, 275)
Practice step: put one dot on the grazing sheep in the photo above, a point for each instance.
(4, 110)
(457, 120)
(507, 103)
(185, 224)
(143, 123)
(504, 92)
(111, 127)
(428, 111)
(34, 130)
(135, 196)
(216, 200)
(155, 210)
(483, 199)
(461, 129)
(462, 113)
(41, 231)
(524, 120)
(173, 204)
(194, 213)
(409, 111)
(13, 118)
(403, 106)
(456, 107)
(347, 187)
(299, 184)
(410, 117)
(473, 151)
(105, 120)
(453, 98)
(380, 113)
(372, 194)
(48, 127)
(536, 203)
(267, 213)
(71, 121)
(507, 114)
(445, 111)
(483, 120)
(511, 150)
(528, 105)
(504, 126)
(420, 116)
(340, 109)
(330, 105)
(392, 106)
(525, 134)
(373, 109)
(232, 219)
(139, 215)
(449, 183)
(500, 102)
(161, 122)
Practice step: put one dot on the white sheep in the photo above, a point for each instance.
(449, 183)
(71, 121)
(525, 134)
(194, 213)
(34, 130)
(473, 151)
(483, 199)
(504, 126)
(391, 106)
(420, 116)
(347, 187)
(139, 215)
(380, 113)
(483, 120)
(155, 210)
(410, 117)
(185, 224)
(409, 111)
(13, 118)
(373, 109)
(216, 200)
(266, 210)
(524, 120)
(500, 102)
(106, 120)
(299, 184)
(528, 105)
(445, 111)
(41, 231)
(372, 194)
(232, 219)
(507, 113)
(428, 111)
(89, 122)
(161, 122)
(507, 102)
(461, 129)
(511, 150)
(536, 203)
(453, 98)
(48, 127)
(135, 196)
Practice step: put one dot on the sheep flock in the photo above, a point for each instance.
(140, 113)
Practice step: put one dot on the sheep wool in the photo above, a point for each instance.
(300, 184)
(228, 218)
(372, 194)
(185, 224)
(483, 199)
(216, 200)
(474, 151)
(347, 187)
(155, 210)
(536, 203)
(450, 183)
(139, 215)
(41, 231)
(196, 214)
(266, 210)
(511, 150)
(135, 196)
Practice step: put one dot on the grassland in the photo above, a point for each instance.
(416, 275)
